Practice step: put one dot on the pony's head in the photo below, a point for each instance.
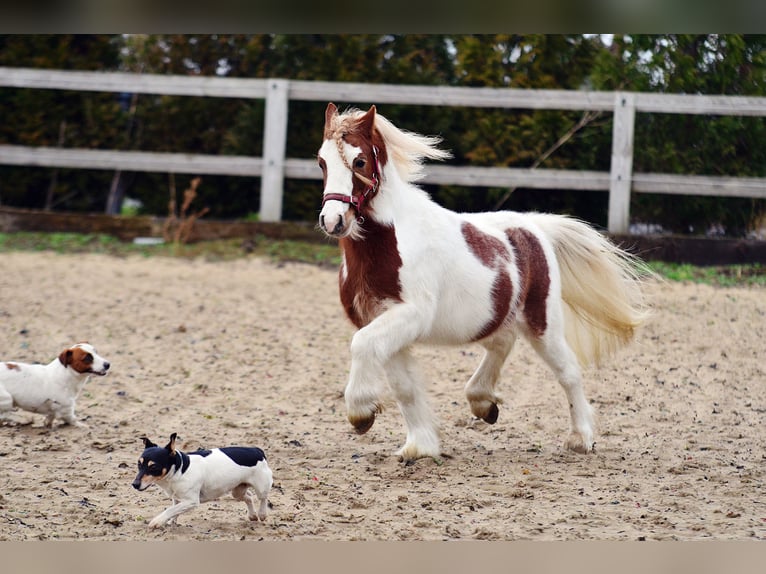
(356, 149)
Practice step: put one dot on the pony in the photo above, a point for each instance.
(414, 272)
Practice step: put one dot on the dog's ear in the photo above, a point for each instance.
(147, 442)
(172, 444)
(65, 357)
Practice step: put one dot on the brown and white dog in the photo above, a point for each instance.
(51, 389)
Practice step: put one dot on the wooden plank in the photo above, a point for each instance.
(435, 174)
(700, 104)
(274, 144)
(359, 93)
(516, 177)
(303, 169)
(720, 186)
(482, 176)
(362, 95)
(621, 172)
(130, 160)
(169, 84)
(350, 92)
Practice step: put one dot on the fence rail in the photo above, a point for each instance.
(620, 181)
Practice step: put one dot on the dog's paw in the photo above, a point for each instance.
(156, 523)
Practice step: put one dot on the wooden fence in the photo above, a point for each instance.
(273, 167)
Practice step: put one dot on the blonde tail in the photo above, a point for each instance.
(602, 287)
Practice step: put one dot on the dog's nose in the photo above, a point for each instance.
(106, 365)
(137, 484)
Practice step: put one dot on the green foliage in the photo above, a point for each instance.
(286, 250)
(721, 275)
(278, 250)
(59, 242)
(664, 143)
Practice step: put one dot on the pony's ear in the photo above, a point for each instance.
(329, 120)
(171, 446)
(367, 121)
(330, 112)
(147, 442)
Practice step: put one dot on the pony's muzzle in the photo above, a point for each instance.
(328, 227)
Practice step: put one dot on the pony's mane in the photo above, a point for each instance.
(407, 150)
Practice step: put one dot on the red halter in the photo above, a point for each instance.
(357, 201)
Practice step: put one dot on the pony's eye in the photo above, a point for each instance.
(359, 163)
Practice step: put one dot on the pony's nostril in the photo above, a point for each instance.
(338, 226)
(321, 222)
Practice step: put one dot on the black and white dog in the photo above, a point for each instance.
(204, 475)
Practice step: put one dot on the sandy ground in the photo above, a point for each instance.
(253, 353)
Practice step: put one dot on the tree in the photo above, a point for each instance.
(58, 118)
(730, 64)
(690, 144)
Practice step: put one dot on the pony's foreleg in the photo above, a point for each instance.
(371, 348)
(480, 389)
(409, 389)
(554, 349)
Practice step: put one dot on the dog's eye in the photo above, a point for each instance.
(88, 358)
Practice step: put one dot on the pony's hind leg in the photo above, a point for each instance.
(480, 389)
(553, 348)
(409, 390)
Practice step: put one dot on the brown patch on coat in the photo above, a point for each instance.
(489, 250)
(534, 277)
(12, 366)
(372, 273)
(78, 359)
(494, 254)
(502, 292)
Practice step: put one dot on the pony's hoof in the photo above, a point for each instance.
(491, 416)
(410, 453)
(362, 425)
(576, 443)
(484, 407)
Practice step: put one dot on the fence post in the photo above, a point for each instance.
(621, 171)
(274, 145)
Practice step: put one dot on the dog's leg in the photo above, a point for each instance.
(6, 404)
(242, 494)
(172, 511)
(173, 520)
(262, 486)
(68, 416)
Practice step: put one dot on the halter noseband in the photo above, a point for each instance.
(357, 201)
